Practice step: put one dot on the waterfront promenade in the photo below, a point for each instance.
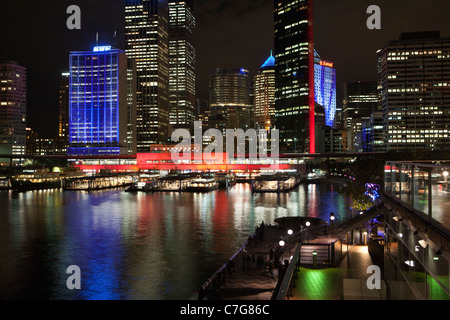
(346, 281)
(252, 273)
(246, 278)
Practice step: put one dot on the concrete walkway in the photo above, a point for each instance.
(347, 281)
(252, 275)
(249, 276)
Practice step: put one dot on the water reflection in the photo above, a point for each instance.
(136, 246)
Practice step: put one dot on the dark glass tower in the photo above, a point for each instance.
(147, 42)
(360, 99)
(181, 64)
(230, 100)
(294, 75)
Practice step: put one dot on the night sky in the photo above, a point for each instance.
(230, 33)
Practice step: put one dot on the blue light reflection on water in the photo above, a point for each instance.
(136, 246)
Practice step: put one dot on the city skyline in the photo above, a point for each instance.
(207, 150)
(243, 41)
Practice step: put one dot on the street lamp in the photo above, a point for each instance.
(314, 253)
(332, 217)
(307, 223)
(445, 174)
(290, 232)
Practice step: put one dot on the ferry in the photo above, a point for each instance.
(146, 183)
(202, 185)
(225, 180)
(36, 180)
(140, 186)
(5, 183)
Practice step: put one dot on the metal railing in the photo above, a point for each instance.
(422, 186)
(284, 289)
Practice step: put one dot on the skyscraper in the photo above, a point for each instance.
(294, 74)
(230, 100)
(63, 119)
(147, 42)
(98, 100)
(360, 99)
(131, 107)
(181, 64)
(13, 99)
(264, 92)
(415, 92)
(325, 88)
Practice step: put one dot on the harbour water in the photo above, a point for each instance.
(132, 246)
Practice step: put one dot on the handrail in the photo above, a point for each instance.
(419, 215)
(222, 268)
(348, 223)
(280, 294)
(420, 164)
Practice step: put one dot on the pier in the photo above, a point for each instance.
(185, 182)
(100, 182)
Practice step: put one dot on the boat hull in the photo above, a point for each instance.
(26, 185)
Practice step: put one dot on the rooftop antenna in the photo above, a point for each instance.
(96, 38)
(115, 38)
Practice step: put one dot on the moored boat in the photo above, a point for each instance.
(35, 180)
(202, 185)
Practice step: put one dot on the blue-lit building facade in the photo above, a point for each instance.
(325, 88)
(98, 104)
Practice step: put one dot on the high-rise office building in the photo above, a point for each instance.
(371, 136)
(63, 117)
(230, 100)
(13, 99)
(335, 140)
(264, 95)
(131, 107)
(294, 74)
(325, 88)
(203, 112)
(360, 99)
(415, 83)
(147, 42)
(182, 61)
(99, 102)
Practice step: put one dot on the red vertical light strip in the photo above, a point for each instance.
(312, 121)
